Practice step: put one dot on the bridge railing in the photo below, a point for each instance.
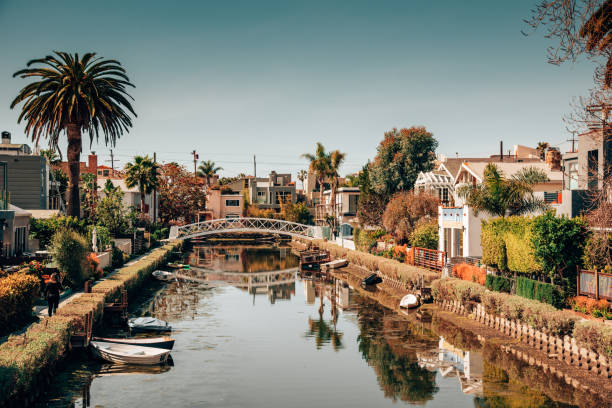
(242, 224)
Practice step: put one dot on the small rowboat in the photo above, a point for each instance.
(174, 265)
(338, 263)
(409, 301)
(163, 342)
(148, 324)
(163, 275)
(128, 354)
(372, 279)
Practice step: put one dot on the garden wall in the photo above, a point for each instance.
(27, 359)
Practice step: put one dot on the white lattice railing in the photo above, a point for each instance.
(241, 225)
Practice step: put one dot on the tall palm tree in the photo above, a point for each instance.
(208, 169)
(75, 95)
(541, 148)
(319, 165)
(335, 161)
(142, 173)
(501, 196)
(302, 176)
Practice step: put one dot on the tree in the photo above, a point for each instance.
(75, 95)
(208, 169)
(50, 155)
(319, 165)
(297, 212)
(69, 250)
(335, 161)
(142, 173)
(111, 213)
(501, 196)
(542, 146)
(404, 210)
(180, 198)
(371, 205)
(558, 243)
(302, 176)
(401, 156)
(90, 195)
(425, 234)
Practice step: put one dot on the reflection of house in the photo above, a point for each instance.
(345, 206)
(460, 227)
(131, 195)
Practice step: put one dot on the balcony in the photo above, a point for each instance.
(452, 214)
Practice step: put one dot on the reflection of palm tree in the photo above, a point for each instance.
(324, 332)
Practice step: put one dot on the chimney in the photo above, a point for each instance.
(553, 158)
(501, 150)
(92, 163)
(6, 137)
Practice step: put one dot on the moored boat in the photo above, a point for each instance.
(129, 354)
(409, 301)
(163, 342)
(163, 275)
(335, 264)
(148, 324)
(372, 279)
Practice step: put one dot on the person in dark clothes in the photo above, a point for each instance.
(53, 289)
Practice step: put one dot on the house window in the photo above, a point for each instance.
(231, 216)
(353, 204)
(261, 197)
(593, 167)
(283, 197)
(232, 203)
(572, 174)
(443, 195)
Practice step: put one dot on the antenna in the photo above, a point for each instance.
(573, 140)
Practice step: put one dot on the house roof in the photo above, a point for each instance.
(117, 183)
(509, 169)
(43, 214)
(19, 211)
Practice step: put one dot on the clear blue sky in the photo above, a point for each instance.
(271, 78)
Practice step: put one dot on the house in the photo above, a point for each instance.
(8, 148)
(345, 206)
(131, 195)
(14, 222)
(460, 227)
(267, 192)
(222, 202)
(108, 172)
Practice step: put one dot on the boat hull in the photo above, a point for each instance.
(125, 354)
(409, 301)
(165, 343)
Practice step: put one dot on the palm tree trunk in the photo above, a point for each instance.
(142, 200)
(321, 205)
(74, 170)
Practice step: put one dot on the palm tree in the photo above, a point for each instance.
(302, 176)
(541, 148)
(335, 161)
(501, 196)
(75, 95)
(142, 173)
(208, 169)
(319, 165)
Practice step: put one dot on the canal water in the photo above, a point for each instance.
(263, 336)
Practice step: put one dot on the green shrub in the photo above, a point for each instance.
(425, 234)
(69, 250)
(493, 245)
(519, 248)
(17, 293)
(457, 289)
(102, 234)
(117, 257)
(540, 291)
(44, 229)
(498, 283)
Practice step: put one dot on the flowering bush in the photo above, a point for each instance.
(470, 273)
(593, 307)
(17, 294)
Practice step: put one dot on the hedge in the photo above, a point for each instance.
(498, 283)
(507, 244)
(541, 291)
(470, 273)
(24, 357)
(17, 294)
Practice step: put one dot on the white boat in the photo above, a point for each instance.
(149, 324)
(409, 301)
(338, 263)
(128, 354)
(163, 342)
(163, 275)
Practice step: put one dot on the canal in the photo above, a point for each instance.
(262, 336)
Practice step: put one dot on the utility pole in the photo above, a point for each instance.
(254, 167)
(155, 193)
(112, 161)
(195, 162)
(573, 140)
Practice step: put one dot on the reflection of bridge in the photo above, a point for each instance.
(238, 225)
(254, 279)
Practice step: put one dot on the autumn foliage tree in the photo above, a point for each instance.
(400, 157)
(404, 210)
(180, 195)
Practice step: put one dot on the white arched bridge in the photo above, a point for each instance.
(238, 225)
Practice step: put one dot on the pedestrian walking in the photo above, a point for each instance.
(53, 289)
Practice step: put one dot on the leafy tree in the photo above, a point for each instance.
(405, 209)
(558, 243)
(44, 229)
(501, 196)
(335, 161)
(90, 195)
(319, 165)
(371, 208)
(69, 250)
(425, 234)
(401, 156)
(75, 95)
(111, 213)
(297, 212)
(142, 173)
(208, 169)
(180, 198)
(50, 155)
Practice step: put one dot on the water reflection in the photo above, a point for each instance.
(322, 330)
(243, 258)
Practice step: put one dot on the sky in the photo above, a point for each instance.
(233, 79)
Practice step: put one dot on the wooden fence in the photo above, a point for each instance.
(594, 284)
(426, 258)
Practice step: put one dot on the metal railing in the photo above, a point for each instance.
(242, 225)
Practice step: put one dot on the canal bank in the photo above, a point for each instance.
(29, 360)
(559, 359)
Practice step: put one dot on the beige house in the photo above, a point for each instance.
(222, 204)
(345, 206)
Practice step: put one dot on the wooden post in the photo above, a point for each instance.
(596, 284)
(577, 280)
